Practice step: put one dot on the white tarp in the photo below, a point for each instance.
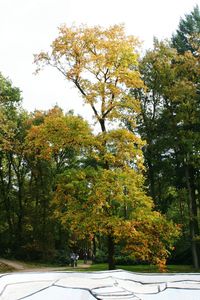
(118, 285)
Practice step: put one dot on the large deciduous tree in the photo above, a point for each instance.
(55, 142)
(103, 65)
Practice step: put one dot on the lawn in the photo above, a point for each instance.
(97, 267)
(142, 268)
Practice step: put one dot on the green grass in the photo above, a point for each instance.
(131, 268)
(154, 269)
(101, 267)
(182, 269)
(141, 268)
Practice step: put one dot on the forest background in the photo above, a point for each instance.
(119, 192)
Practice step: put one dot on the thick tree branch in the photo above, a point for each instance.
(85, 95)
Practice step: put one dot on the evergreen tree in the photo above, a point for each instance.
(187, 35)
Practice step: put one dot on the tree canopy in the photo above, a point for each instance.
(103, 65)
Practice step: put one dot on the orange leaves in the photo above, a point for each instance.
(150, 239)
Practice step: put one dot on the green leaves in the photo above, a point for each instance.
(9, 95)
(187, 32)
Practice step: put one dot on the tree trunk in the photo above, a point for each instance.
(5, 194)
(151, 175)
(94, 248)
(111, 252)
(110, 241)
(193, 220)
(20, 214)
(102, 124)
(194, 207)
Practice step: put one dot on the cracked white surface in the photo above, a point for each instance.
(112, 285)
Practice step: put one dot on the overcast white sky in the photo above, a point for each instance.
(29, 26)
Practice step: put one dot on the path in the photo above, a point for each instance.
(23, 267)
(13, 264)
